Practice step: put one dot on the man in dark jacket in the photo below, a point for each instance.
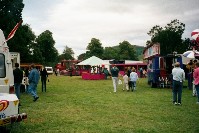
(18, 76)
(115, 74)
(44, 76)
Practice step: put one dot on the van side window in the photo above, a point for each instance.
(2, 66)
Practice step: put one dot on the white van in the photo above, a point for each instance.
(49, 70)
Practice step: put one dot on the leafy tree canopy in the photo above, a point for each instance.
(111, 53)
(95, 48)
(46, 44)
(127, 51)
(23, 42)
(10, 14)
(169, 37)
(68, 54)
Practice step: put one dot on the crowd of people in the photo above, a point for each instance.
(31, 78)
(178, 77)
(129, 78)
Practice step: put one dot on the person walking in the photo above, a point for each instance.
(141, 72)
(133, 79)
(106, 73)
(26, 79)
(18, 77)
(44, 76)
(196, 80)
(115, 74)
(70, 70)
(178, 78)
(126, 82)
(33, 81)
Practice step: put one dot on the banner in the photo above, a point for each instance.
(12, 33)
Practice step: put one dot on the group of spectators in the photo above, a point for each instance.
(178, 75)
(129, 79)
(32, 77)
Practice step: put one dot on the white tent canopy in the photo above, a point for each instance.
(92, 61)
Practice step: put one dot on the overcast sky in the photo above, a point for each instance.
(75, 22)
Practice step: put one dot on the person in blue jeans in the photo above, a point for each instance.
(33, 81)
(133, 79)
(178, 78)
(18, 76)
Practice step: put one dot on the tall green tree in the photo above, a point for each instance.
(46, 44)
(68, 54)
(82, 56)
(189, 44)
(111, 53)
(154, 32)
(36, 54)
(10, 14)
(95, 48)
(127, 51)
(169, 37)
(22, 42)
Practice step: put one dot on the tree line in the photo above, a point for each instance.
(41, 48)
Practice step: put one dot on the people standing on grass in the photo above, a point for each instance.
(33, 81)
(193, 87)
(115, 74)
(144, 73)
(70, 70)
(58, 72)
(106, 72)
(18, 76)
(44, 76)
(196, 79)
(141, 72)
(178, 78)
(128, 71)
(133, 79)
(126, 82)
(128, 74)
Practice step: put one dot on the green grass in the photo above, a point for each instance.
(73, 105)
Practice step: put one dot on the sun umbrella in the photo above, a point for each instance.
(195, 35)
(190, 54)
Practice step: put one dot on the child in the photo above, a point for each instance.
(125, 81)
(133, 79)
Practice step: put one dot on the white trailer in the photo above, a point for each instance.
(9, 103)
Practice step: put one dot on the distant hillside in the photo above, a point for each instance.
(139, 51)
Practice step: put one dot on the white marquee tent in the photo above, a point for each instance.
(93, 61)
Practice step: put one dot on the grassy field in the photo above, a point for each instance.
(73, 105)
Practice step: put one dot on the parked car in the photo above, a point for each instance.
(49, 70)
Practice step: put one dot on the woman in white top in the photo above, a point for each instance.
(133, 78)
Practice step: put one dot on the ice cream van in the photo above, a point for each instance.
(9, 103)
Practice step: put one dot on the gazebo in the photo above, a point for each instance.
(94, 62)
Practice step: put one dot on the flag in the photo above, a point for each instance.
(12, 33)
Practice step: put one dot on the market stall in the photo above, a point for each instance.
(95, 65)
